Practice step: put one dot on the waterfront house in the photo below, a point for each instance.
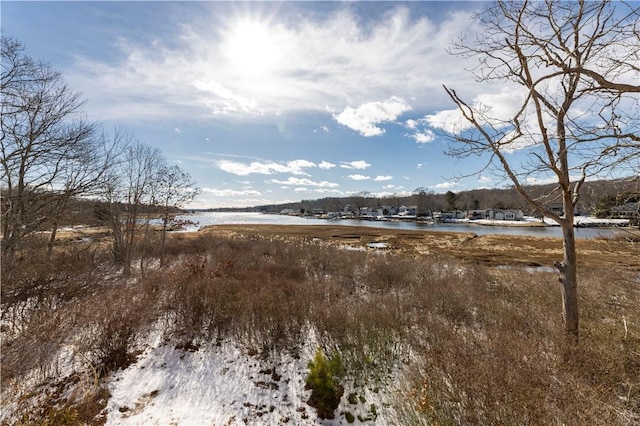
(556, 208)
(504, 214)
(449, 215)
(626, 211)
(476, 214)
(408, 211)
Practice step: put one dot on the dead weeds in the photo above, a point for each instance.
(490, 250)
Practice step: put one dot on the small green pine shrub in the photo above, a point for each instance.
(51, 417)
(349, 417)
(323, 380)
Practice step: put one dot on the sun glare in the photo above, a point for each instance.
(251, 47)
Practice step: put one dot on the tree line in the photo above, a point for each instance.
(51, 154)
(597, 198)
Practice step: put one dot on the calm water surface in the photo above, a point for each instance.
(210, 218)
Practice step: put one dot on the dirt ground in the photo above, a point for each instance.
(486, 249)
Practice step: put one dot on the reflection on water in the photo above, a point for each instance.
(210, 218)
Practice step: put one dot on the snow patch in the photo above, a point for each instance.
(213, 385)
(223, 384)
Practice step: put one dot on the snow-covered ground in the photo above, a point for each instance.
(586, 221)
(526, 221)
(221, 384)
(218, 383)
(213, 385)
(594, 221)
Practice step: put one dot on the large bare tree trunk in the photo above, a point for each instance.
(569, 280)
(577, 111)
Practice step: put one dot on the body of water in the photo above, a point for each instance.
(217, 218)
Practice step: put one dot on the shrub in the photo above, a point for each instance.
(109, 323)
(349, 417)
(38, 307)
(324, 381)
(474, 345)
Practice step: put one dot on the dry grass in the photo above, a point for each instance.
(475, 345)
(489, 250)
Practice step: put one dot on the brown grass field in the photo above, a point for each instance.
(490, 250)
(471, 343)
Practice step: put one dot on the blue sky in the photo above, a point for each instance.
(269, 102)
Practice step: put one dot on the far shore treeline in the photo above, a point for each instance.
(598, 199)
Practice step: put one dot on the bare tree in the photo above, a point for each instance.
(175, 189)
(420, 196)
(82, 175)
(43, 142)
(130, 187)
(574, 66)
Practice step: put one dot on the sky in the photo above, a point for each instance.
(270, 102)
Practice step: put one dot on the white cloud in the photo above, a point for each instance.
(420, 133)
(297, 61)
(545, 180)
(242, 169)
(445, 185)
(359, 177)
(301, 189)
(425, 136)
(391, 186)
(326, 165)
(501, 106)
(366, 118)
(294, 181)
(382, 178)
(222, 100)
(295, 167)
(385, 194)
(177, 130)
(411, 124)
(230, 192)
(494, 109)
(357, 165)
(451, 121)
(329, 191)
(484, 179)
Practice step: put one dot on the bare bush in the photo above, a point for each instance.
(200, 302)
(249, 290)
(497, 355)
(38, 305)
(109, 323)
(476, 345)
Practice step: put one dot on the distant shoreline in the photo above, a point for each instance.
(527, 222)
